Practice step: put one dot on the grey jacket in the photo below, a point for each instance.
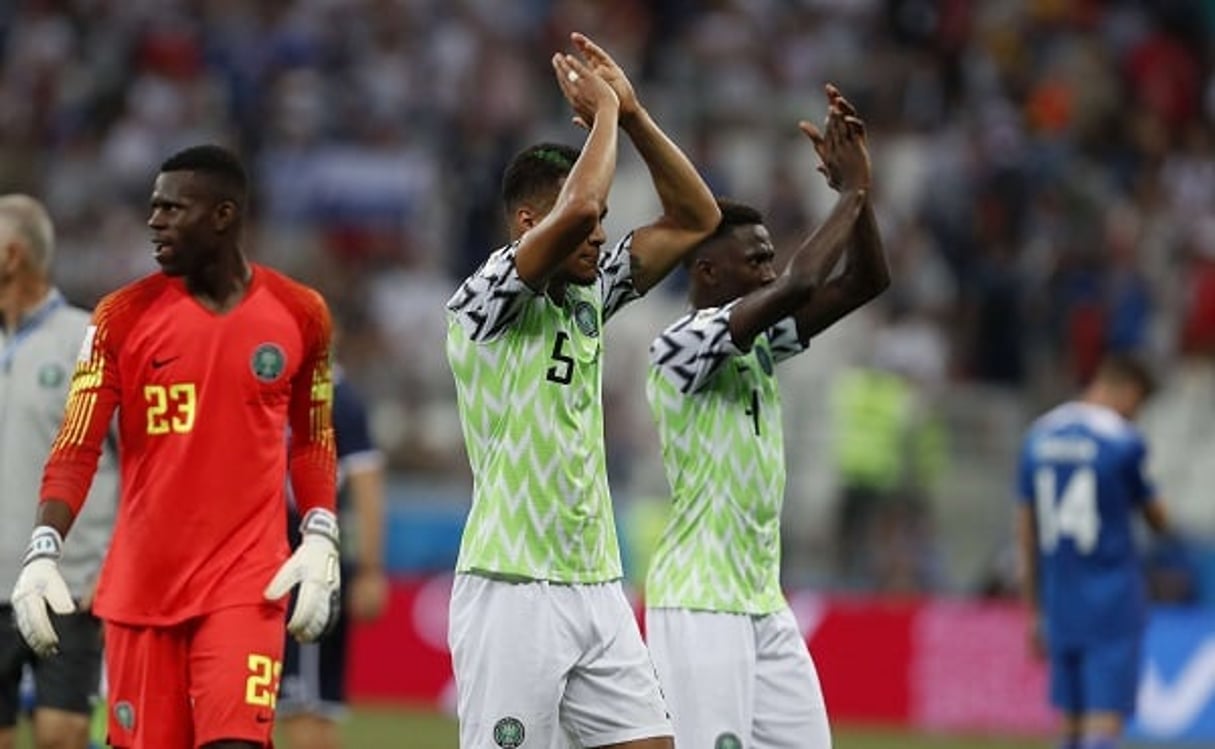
(36, 365)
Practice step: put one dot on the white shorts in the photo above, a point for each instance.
(732, 680)
(559, 665)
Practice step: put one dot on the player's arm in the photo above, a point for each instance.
(312, 462)
(312, 452)
(1027, 555)
(69, 470)
(1143, 489)
(363, 466)
(689, 211)
(803, 290)
(1027, 551)
(866, 274)
(789, 293)
(92, 399)
(1157, 517)
(582, 201)
(369, 591)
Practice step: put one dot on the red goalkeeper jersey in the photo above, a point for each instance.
(204, 404)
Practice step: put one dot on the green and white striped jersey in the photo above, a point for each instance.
(719, 419)
(529, 384)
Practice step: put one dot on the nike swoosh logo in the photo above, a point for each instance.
(158, 363)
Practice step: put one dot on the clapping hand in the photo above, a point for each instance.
(842, 150)
(602, 64)
(586, 91)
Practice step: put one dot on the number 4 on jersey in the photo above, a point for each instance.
(1070, 513)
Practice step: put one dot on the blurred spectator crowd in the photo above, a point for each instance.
(1045, 179)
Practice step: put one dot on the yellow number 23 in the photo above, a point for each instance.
(171, 408)
(261, 687)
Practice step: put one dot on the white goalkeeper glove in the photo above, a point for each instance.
(40, 585)
(314, 566)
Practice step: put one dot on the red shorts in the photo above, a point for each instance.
(210, 678)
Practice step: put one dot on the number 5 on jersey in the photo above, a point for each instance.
(1070, 512)
(562, 371)
(171, 408)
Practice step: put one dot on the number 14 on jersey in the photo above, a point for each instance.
(1069, 511)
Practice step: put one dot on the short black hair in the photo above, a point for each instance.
(217, 162)
(536, 171)
(733, 215)
(1129, 369)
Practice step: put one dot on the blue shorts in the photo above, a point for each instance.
(1101, 676)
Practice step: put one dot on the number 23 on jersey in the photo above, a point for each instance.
(171, 408)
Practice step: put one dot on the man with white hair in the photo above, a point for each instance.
(40, 338)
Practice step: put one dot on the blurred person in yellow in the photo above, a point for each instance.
(890, 454)
(40, 338)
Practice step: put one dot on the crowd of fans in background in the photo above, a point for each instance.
(1045, 175)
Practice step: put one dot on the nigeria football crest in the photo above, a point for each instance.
(586, 319)
(51, 375)
(508, 733)
(268, 362)
(124, 713)
(727, 741)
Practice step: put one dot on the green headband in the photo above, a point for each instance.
(553, 157)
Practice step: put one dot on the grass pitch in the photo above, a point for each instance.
(381, 728)
(388, 728)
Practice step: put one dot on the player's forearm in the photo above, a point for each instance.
(590, 179)
(868, 273)
(367, 496)
(56, 513)
(67, 477)
(798, 289)
(312, 452)
(1157, 518)
(689, 210)
(577, 210)
(313, 468)
(821, 251)
(687, 202)
(1027, 562)
(72, 463)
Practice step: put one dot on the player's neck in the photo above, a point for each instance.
(220, 287)
(556, 291)
(701, 298)
(18, 297)
(1102, 398)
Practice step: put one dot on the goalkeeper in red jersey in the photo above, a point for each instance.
(210, 364)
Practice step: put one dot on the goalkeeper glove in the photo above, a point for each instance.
(314, 566)
(38, 586)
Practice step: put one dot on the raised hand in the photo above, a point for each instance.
(842, 149)
(586, 91)
(606, 68)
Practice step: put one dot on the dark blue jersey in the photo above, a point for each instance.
(352, 433)
(1082, 471)
(355, 452)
